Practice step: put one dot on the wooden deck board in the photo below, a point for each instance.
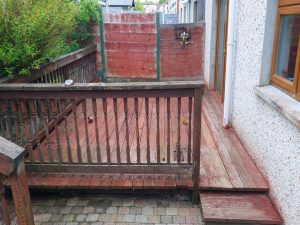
(252, 208)
(225, 164)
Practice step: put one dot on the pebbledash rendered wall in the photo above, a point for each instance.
(271, 139)
(131, 47)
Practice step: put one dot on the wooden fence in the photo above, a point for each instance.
(85, 136)
(80, 66)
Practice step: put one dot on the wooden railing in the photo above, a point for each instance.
(142, 128)
(12, 167)
(79, 66)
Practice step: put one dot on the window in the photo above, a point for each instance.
(285, 70)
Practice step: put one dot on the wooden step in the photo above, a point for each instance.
(107, 181)
(250, 208)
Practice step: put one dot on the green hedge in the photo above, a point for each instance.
(33, 31)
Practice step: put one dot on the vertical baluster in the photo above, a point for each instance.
(104, 102)
(190, 130)
(88, 148)
(64, 109)
(16, 121)
(178, 129)
(158, 131)
(147, 129)
(22, 127)
(94, 102)
(138, 148)
(117, 129)
(35, 128)
(27, 129)
(168, 131)
(74, 109)
(44, 106)
(4, 110)
(55, 117)
(4, 205)
(127, 130)
(196, 142)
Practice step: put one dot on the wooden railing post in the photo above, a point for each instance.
(197, 142)
(4, 206)
(12, 166)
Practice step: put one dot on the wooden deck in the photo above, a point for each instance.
(225, 164)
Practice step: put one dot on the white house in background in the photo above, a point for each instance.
(170, 7)
(117, 5)
(252, 61)
(191, 11)
(150, 7)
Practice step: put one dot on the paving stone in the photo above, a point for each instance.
(147, 211)
(56, 217)
(140, 203)
(128, 202)
(55, 209)
(111, 210)
(154, 219)
(141, 219)
(104, 218)
(61, 202)
(109, 223)
(42, 210)
(124, 210)
(46, 223)
(82, 202)
(162, 203)
(183, 211)
(72, 202)
(77, 209)
(166, 219)
(151, 203)
(66, 209)
(129, 218)
(195, 211)
(68, 218)
(160, 211)
(192, 219)
(186, 204)
(173, 204)
(92, 217)
(43, 217)
(88, 209)
(72, 223)
(97, 223)
(59, 223)
(135, 210)
(179, 219)
(171, 211)
(80, 217)
(117, 202)
(100, 210)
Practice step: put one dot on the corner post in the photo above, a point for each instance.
(4, 206)
(197, 142)
(21, 197)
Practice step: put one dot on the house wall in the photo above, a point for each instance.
(271, 139)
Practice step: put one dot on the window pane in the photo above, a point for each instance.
(288, 46)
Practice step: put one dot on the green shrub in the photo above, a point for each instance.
(32, 31)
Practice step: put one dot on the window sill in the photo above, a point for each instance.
(282, 102)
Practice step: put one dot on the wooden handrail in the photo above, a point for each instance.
(59, 69)
(12, 167)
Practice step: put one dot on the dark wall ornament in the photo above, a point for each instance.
(183, 35)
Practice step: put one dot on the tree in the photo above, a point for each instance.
(139, 6)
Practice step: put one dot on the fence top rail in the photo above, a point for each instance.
(10, 154)
(128, 86)
(55, 64)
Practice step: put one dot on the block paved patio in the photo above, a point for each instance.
(113, 209)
